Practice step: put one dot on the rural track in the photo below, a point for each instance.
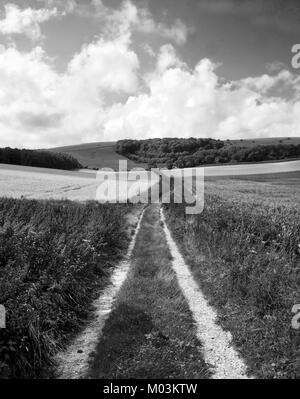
(153, 320)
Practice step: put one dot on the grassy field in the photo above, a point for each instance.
(270, 190)
(40, 183)
(282, 179)
(244, 252)
(96, 155)
(55, 258)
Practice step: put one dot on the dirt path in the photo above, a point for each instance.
(156, 323)
(218, 351)
(73, 363)
(150, 332)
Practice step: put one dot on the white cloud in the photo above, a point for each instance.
(167, 58)
(40, 107)
(129, 18)
(110, 65)
(27, 21)
(266, 82)
(185, 103)
(178, 32)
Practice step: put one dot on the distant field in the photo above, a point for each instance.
(286, 179)
(265, 141)
(96, 155)
(16, 182)
(254, 168)
(274, 189)
(103, 154)
(41, 183)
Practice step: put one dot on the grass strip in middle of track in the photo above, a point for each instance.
(150, 332)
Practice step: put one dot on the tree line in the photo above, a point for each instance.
(183, 153)
(39, 158)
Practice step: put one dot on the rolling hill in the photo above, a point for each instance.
(104, 155)
(96, 155)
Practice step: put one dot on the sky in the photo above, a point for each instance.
(76, 71)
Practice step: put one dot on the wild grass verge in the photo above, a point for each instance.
(55, 256)
(245, 257)
(150, 332)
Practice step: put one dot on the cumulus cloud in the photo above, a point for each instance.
(129, 18)
(178, 32)
(185, 103)
(108, 65)
(266, 82)
(40, 107)
(27, 21)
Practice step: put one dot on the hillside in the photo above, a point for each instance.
(193, 152)
(104, 155)
(96, 155)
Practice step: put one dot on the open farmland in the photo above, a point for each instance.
(244, 252)
(104, 155)
(96, 155)
(273, 189)
(42, 183)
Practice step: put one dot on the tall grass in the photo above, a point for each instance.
(246, 259)
(54, 258)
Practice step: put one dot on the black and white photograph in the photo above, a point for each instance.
(149, 194)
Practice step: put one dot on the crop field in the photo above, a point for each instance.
(244, 252)
(42, 183)
(55, 257)
(104, 155)
(278, 189)
(38, 183)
